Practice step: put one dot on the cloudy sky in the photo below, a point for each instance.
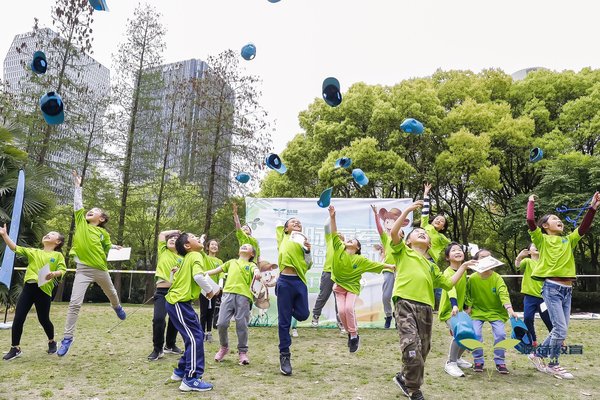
(301, 42)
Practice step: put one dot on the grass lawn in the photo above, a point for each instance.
(113, 365)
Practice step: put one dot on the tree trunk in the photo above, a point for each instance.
(212, 176)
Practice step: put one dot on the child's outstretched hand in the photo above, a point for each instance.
(76, 179)
(533, 198)
(524, 253)
(235, 208)
(455, 310)
(374, 208)
(331, 211)
(416, 205)
(426, 189)
(3, 230)
(595, 201)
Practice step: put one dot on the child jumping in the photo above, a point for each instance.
(188, 281)
(416, 276)
(556, 267)
(488, 301)
(451, 302)
(167, 260)
(348, 266)
(32, 294)
(244, 233)
(91, 243)
(236, 301)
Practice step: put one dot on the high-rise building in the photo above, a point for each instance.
(176, 112)
(84, 71)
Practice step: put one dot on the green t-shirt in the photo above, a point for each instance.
(347, 269)
(530, 286)
(328, 255)
(90, 243)
(458, 292)
(291, 254)
(37, 259)
(416, 276)
(239, 277)
(184, 288)
(487, 297)
(214, 262)
(438, 240)
(245, 239)
(386, 243)
(167, 260)
(556, 254)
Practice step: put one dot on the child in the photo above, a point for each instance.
(348, 266)
(416, 277)
(451, 302)
(532, 291)
(488, 301)
(208, 306)
(556, 267)
(291, 289)
(236, 301)
(167, 260)
(388, 217)
(188, 281)
(32, 294)
(244, 233)
(91, 243)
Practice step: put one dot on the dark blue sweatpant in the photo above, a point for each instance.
(187, 323)
(292, 301)
(531, 305)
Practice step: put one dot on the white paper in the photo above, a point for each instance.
(298, 238)
(119, 255)
(486, 264)
(543, 307)
(215, 286)
(42, 275)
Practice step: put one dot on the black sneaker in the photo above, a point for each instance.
(285, 365)
(399, 380)
(173, 350)
(52, 347)
(13, 353)
(418, 395)
(388, 322)
(155, 355)
(502, 368)
(354, 344)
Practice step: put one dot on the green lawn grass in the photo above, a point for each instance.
(113, 365)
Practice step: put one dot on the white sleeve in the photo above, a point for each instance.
(203, 282)
(77, 199)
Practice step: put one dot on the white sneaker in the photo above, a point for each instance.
(538, 362)
(452, 369)
(315, 322)
(294, 332)
(559, 372)
(463, 363)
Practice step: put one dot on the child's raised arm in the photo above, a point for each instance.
(332, 220)
(426, 205)
(531, 213)
(78, 196)
(589, 215)
(398, 224)
(377, 219)
(4, 233)
(236, 218)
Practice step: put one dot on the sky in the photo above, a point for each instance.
(301, 42)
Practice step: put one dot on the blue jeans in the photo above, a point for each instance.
(531, 305)
(558, 301)
(499, 335)
(292, 301)
(187, 323)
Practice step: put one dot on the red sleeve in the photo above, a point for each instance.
(587, 221)
(531, 216)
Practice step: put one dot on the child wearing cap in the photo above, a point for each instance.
(348, 266)
(488, 301)
(291, 290)
(416, 276)
(451, 302)
(167, 260)
(236, 301)
(187, 282)
(91, 243)
(244, 233)
(556, 267)
(31, 293)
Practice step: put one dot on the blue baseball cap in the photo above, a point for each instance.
(248, 52)
(39, 63)
(52, 108)
(331, 92)
(359, 177)
(344, 162)
(99, 5)
(411, 125)
(242, 177)
(536, 155)
(274, 162)
(325, 198)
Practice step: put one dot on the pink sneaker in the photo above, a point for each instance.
(221, 354)
(244, 359)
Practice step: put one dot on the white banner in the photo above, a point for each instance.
(355, 219)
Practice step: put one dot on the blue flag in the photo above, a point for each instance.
(8, 261)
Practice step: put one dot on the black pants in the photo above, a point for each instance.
(31, 295)
(207, 313)
(159, 322)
